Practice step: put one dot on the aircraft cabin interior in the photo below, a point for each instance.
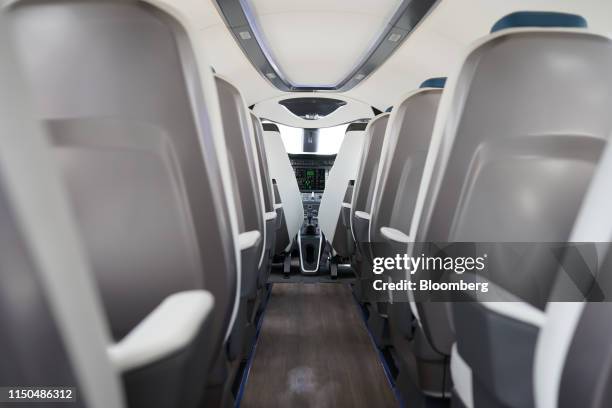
(310, 204)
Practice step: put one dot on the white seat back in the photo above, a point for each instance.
(282, 171)
(345, 168)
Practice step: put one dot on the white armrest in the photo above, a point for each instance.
(500, 301)
(394, 235)
(248, 239)
(278, 205)
(170, 327)
(270, 215)
(362, 214)
(521, 311)
(348, 205)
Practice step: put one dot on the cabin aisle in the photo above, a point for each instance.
(314, 351)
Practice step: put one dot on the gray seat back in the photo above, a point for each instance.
(52, 330)
(262, 160)
(271, 219)
(243, 162)
(363, 191)
(572, 360)
(127, 108)
(514, 148)
(512, 154)
(572, 367)
(407, 141)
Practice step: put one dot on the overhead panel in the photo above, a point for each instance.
(382, 32)
(312, 108)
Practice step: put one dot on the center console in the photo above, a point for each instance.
(311, 172)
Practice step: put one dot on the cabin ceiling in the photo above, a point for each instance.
(319, 41)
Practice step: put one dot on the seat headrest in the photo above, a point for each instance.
(438, 82)
(539, 19)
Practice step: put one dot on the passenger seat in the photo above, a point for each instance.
(519, 133)
(572, 365)
(361, 203)
(53, 330)
(138, 144)
(272, 221)
(339, 187)
(249, 200)
(290, 199)
(400, 172)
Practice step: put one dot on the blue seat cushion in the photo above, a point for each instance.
(434, 83)
(539, 19)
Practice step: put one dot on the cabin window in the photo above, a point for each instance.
(312, 141)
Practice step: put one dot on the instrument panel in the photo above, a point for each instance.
(310, 179)
(311, 170)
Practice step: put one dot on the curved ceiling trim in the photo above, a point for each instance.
(242, 23)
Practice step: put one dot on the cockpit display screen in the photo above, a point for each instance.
(310, 179)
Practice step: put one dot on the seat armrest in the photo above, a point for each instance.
(363, 215)
(519, 311)
(269, 216)
(170, 327)
(248, 240)
(393, 235)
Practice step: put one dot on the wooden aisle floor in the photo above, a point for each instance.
(314, 351)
